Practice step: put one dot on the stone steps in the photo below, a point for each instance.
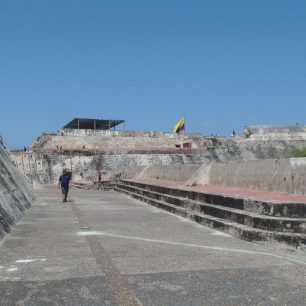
(243, 224)
(239, 216)
(262, 207)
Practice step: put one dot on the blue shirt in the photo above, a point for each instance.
(64, 179)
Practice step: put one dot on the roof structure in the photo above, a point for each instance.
(92, 124)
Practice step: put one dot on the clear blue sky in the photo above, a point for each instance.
(223, 64)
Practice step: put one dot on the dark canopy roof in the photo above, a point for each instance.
(92, 124)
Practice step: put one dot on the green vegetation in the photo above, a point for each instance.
(298, 153)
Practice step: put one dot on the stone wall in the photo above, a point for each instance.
(256, 143)
(46, 168)
(126, 153)
(110, 141)
(16, 193)
(283, 175)
(282, 132)
(177, 172)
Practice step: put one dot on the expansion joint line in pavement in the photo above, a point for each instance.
(120, 290)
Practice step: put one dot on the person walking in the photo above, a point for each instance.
(64, 182)
(99, 177)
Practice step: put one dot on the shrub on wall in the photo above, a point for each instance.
(298, 152)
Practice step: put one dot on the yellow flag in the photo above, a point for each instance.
(180, 126)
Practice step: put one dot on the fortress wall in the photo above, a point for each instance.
(257, 142)
(218, 148)
(178, 173)
(276, 129)
(266, 132)
(242, 149)
(46, 168)
(111, 140)
(112, 133)
(284, 175)
(287, 175)
(126, 153)
(16, 193)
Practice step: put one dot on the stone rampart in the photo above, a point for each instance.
(239, 148)
(177, 172)
(46, 168)
(119, 141)
(126, 153)
(282, 132)
(257, 142)
(16, 193)
(112, 133)
(283, 175)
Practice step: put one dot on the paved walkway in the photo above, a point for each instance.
(233, 191)
(104, 248)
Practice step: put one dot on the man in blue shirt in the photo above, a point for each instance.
(64, 183)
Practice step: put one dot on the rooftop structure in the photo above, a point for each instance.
(92, 124)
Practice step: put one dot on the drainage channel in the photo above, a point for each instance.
(118, 285)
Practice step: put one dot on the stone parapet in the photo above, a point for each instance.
(281, 175)
(266, 132)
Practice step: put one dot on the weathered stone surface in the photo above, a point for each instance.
(16, 193)
(46, 168)
(282, 175)
(127, 154)
(257, 142)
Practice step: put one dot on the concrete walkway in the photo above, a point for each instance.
(104, 248)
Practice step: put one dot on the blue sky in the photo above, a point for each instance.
(222, 64)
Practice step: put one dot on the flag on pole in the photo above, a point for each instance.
(180, 126)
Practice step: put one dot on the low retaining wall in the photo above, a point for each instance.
(177, 173)
(16, 193)
(283, 175)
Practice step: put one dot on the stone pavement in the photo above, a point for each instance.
(104, 248)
